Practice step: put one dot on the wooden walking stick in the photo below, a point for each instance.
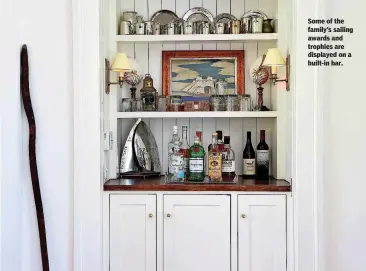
(27, 103)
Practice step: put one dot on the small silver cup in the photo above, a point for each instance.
(220, 28)
(148, 28)
(246, 25)
(188, 28)
(140, 28)
(124, 28)
(156, 29)
(235, 27)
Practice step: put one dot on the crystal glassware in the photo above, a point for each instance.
(163, 103)
(217, 103)
(126, 105)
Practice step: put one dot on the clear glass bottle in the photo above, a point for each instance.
(177, 166)
(262, 168)
(184, 149)
(228, 158)
(214, 161)
(175, 140)
(196, 162)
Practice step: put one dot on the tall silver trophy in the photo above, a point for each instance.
(140, 155)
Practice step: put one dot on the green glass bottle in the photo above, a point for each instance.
(196, 162)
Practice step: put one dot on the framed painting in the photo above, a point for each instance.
(196, 73)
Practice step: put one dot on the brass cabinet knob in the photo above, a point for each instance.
(151, 215)
(243, 216)
(168, 215)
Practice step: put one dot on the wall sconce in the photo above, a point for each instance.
(120, 65)
(274, 59)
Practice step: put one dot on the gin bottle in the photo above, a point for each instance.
(175, 140)
(196, 161)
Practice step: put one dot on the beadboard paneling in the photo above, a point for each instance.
(149, 57)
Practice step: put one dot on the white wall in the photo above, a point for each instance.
(46, 27)
(344, 200)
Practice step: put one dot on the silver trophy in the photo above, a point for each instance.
(140, 155)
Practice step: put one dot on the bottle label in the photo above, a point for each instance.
(196, 165)
(177, 166)
(228, 166)
(214, 166)
(249, 166)
(263, 157)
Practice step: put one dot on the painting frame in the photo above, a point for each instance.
(168, 56)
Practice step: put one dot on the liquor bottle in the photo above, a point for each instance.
(262, 168)
(228, 161)
(196, 162)
(175, 140)
(214, 160)
(184, 150)
(220, 143)
(177, 165)
(249, 158)
(199, 135)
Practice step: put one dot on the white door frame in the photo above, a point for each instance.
(307, 130)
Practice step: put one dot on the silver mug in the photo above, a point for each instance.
(235, 27)
(188, 28)
(171, 27)
(140, 28)
(257, 24)
(156, 29)
(125, 28)
(130, 16)
(220, 28)
(246, 25)
(148, 28)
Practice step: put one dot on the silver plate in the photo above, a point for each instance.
(255, 13)
(164, 17)
(224, 18)
(198, 14)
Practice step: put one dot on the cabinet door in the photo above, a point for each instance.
(262, 232)
(133, 233)
(196, 232)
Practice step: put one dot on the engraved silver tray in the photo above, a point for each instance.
(198, 14)
(255, 13)
(164, 17)
(224, 18)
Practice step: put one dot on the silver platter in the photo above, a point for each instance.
(164, 17)
(198, 14)
(224, 18)
(255, 13)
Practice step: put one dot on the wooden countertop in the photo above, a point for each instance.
(159, 184)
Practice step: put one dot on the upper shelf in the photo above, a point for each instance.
(197, 38)
(198, 114)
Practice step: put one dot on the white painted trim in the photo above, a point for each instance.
(87, 136)
(198, 38)
(210, 114)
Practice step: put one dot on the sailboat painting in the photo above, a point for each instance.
(197, 77)
(198, 73)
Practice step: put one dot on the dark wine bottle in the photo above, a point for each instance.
(262, 168)
(249, 158)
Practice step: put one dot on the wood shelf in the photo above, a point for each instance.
(158, 184)
(196, 38)
(198, 114)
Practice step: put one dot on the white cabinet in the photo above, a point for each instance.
(262, 233)
(132, 233)
(197, 232)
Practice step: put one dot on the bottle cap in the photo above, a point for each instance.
(219, 134)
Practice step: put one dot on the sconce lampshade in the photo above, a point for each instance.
(121, 64)
(274, 58)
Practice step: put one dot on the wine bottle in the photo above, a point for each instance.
(249, 158)
(262, 168)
